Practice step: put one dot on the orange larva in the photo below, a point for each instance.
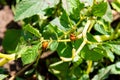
(72, 37)
(44, 45)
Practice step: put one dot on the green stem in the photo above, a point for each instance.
(3, 61)
(80, 47)
(68, 32)
(9, 57)
(60, 40)
(64, 40)
(89, 66)
(84, 37)
(80, 20)
(6, 58)
(37, 60)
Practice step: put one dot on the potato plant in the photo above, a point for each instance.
(78, 32)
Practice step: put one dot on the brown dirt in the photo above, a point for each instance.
(6, 16)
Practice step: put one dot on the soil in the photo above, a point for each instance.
(6, 16)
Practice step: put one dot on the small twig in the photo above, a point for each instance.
(21, 71)
(46, 54)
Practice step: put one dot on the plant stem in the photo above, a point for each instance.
(9, 57)
(3, 61)
(89, 66)
(6, 58)
(64, 40)
(80, 48)
(60, 40)
(65, 59)
(21, 71)
(84, 37)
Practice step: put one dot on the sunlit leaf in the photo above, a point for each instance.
(30, 55)
(53, 45)
(99, 9)
(108, 15)
(93, 55)
(27, 8)
(32, 30)
(116, 5)
(3, 76)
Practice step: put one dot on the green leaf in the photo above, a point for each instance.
(53, 45)
(77, 72)
(77, 43)
(75, 14)
(84, 77)
(99, 9)
(51, 31)
(87, 2)
(108, 15)
(90, 37)
(3, 76)
(27, 8)
(100, 29)
(21, 48)
(18, 78)
(30, 55)
(2, 70)
(103, 74)
(115, 49)
(110, 55)
(31, 71)
(64, 50)
(70, 5)
(56, 22)
(92, 54)
(64, 21)
(32, 30)
(117, 65)
(115, 70)
(11, 40)
(116, 5)
(60, 69)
